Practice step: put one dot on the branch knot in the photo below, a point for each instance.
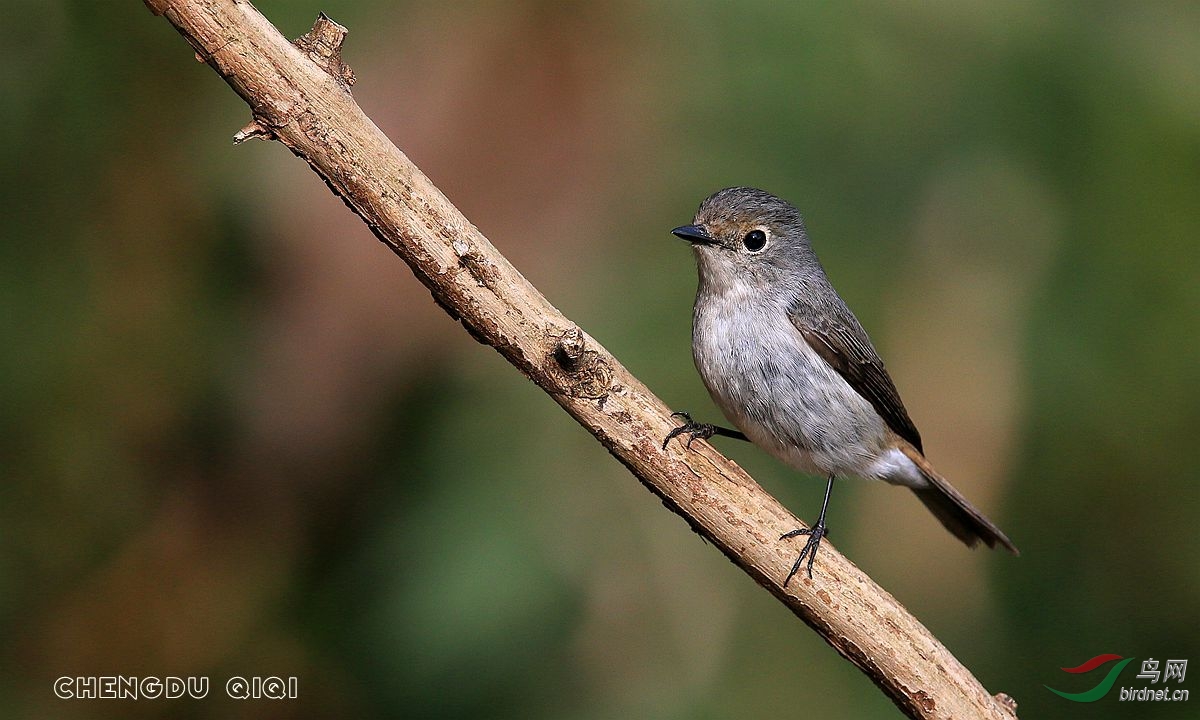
(575, 370)
(323, 45)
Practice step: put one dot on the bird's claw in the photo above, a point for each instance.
(815, 534)
(693, 429)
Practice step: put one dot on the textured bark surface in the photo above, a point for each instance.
(299, 94)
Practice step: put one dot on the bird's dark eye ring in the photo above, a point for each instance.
(755, 240)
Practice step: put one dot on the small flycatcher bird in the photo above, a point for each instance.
(792, 368)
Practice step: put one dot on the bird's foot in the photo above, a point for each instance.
(815, 534)
(691, 428)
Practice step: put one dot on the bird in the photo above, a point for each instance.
(791, 367)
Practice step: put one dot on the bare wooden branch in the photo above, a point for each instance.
(299, 94)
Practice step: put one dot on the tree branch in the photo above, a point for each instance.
(299, 94)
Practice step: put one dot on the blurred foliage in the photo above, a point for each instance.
(238, 439)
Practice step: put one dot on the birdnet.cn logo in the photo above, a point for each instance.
(1143, 689)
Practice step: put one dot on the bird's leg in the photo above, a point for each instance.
(815, 533)
(699, 430)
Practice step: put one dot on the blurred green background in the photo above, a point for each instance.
(238, 438)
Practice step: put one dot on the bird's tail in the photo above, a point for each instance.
(952, 509)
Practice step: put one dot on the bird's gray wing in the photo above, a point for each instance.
(841, 341)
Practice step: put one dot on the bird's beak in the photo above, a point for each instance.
(694, 234)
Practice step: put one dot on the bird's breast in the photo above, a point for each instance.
(776, 389)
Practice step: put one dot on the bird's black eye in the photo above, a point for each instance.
(755, 240)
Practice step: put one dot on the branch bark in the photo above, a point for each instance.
(299, 93)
